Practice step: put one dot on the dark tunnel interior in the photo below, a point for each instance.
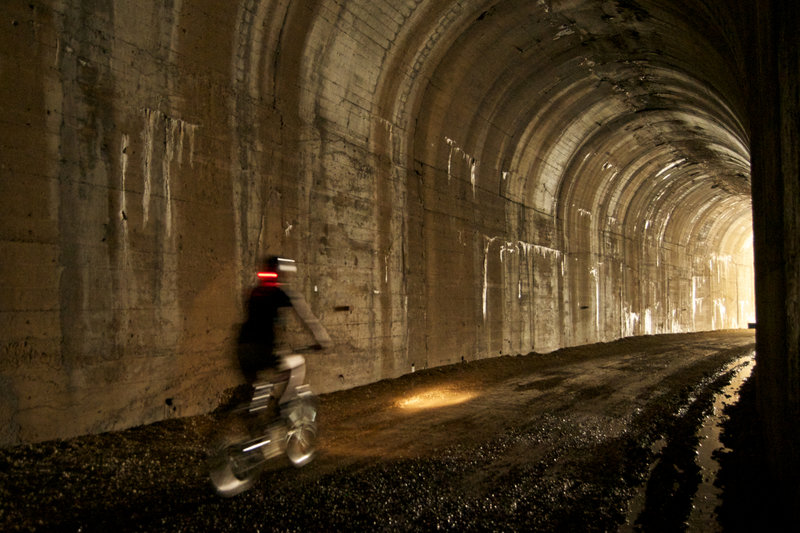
(456, 180)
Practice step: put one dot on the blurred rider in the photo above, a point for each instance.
(267, 307)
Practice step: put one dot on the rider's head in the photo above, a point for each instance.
(276, 270)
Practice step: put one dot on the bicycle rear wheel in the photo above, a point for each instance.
(231, 470)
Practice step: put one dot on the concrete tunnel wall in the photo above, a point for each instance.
(457, 181)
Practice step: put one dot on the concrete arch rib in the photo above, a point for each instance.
(364, 64)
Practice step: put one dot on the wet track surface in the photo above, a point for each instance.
(594, 438)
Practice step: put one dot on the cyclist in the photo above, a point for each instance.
(267, 306)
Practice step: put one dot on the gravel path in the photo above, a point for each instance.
(560, 441)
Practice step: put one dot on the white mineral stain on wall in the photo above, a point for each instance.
(456, 150)
(453, 146)
(631, 320)
(510, 247)
(123, 204)
(174, 131)
(123, 158)
(166, 164)
(595, 273)
(507, 248)
(543, 250)
(387, 125)
(744, 310)
(674, 324)
(719, 311)
(123, 261)
(648, 322)
(473, 174)
(487, 243)
(151, 119)
(668, 167)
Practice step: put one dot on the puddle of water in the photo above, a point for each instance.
(637, 503)
(707, 498)
(703, 517)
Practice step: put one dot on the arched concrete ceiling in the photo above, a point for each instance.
(627, 112)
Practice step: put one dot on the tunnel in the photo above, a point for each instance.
(457, 180)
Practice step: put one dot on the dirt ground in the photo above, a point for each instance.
(561, 441)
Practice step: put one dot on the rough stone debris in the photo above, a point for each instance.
(458, 180)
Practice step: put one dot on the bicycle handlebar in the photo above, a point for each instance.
(302, 349)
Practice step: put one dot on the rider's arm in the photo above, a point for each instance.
(307, 315)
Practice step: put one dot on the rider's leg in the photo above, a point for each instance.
(275, 385)
(278, 388)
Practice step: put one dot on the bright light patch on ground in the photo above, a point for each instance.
(435, 398)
